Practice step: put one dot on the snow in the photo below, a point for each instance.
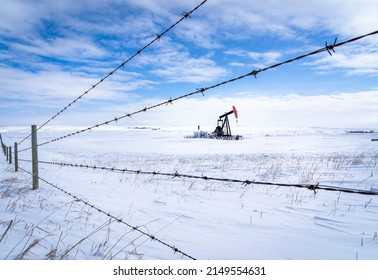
(204, 219)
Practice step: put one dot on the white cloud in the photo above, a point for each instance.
(202, 32)
(174, 63)
(91, 38)
(178, 67)
(285, 18)
(342, 110)
(53, 85)
(72, 49)
(16, 18)
(354, 60)
(259, 59)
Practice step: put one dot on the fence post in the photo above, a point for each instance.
(10, 155)
(2, 144)
(7, 152)
(15, 157)
(34, 156)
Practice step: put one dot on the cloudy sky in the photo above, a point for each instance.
(51, 52)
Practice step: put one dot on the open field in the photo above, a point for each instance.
(205, 219)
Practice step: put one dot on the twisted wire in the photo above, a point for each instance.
(312, 187)
(328, 48)
(185, 15)
(134, 228)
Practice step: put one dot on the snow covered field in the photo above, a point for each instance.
(204, 219)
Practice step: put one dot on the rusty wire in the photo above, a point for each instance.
(185, 15)
(134, 228)
(327, 48)
(246, 182)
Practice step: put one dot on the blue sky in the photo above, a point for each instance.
(53, 51)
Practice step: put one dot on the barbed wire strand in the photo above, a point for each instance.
(185, 15)
(327, 48)
(134, 228)
(312, 187)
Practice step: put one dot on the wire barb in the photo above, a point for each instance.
(108, 214)
(330, 48)
(313, 188)
(255, 72)
(176, 174)
(186, 14)
(248, 182)
(201, 90)
(138, 52)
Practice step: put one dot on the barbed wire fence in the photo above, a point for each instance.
(157, 38)
(246, 182)
(119, 220)
(329, 48)
(3, 146)
(36, 178)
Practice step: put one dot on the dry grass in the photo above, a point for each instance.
(70, 230)
(52, 236)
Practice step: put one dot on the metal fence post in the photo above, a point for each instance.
(34, 156)
(15, 157)
(2, 145)
(10, 155)
(7, 152)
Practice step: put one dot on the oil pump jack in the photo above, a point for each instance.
(222, 130)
